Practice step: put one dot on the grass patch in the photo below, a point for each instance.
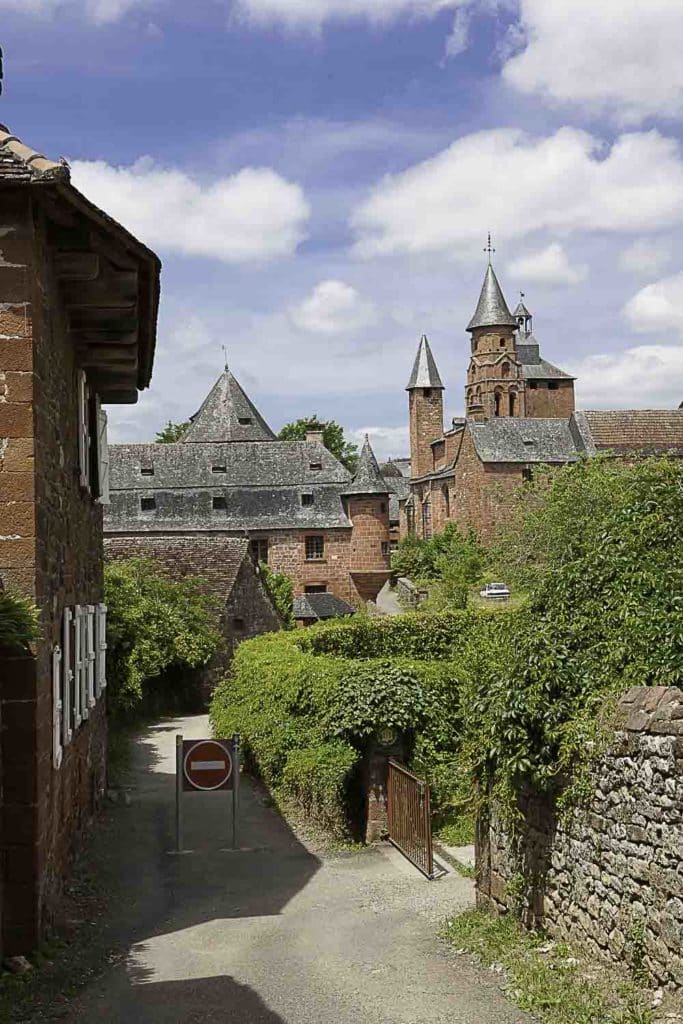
(456, 829)
(546, 978)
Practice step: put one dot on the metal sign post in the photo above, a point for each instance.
(178, 794)
(235, 786)
(207, 766)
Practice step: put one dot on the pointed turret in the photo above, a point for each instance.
(492, 309)
(367, 479)
(425, 373)
(227, 415)
(523, 317)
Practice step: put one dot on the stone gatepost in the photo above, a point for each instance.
(385, 744)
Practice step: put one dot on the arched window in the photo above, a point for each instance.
(446, 500)
(513, 403)
(497, 402)
(502, 342)
(505, 370)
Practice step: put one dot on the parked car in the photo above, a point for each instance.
(493, 590)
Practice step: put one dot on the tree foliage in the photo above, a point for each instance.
(154, 624)
(451, 561)
(333, 438)
(18, 622)
(280, 589)
(172, 432)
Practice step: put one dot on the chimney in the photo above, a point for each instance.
(315, 434)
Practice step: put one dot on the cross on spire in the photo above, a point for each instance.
(225, 356)
(489, 248)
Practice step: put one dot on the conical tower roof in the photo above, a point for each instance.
(521, 310)
(492, 309)
(368, 479)
(425, 373)
(227, 415)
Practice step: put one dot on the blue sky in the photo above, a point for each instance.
(318, 177)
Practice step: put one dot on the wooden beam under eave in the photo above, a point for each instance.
(77, 266)
(108, 355)
(90, 336)
(120, 397)
(111, 290)
(95, 317)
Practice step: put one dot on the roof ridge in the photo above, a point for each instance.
(38, 166)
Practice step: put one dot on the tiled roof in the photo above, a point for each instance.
(215, 559)
(646, 431)
(425, 373)
(20, 163)
(227, 415)
(508, 439)
(367, 479)
(492, 309)
(321, 606)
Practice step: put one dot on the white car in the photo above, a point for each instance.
(499, 590)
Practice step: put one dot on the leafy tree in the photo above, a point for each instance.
(333, 438)
(450, 561)
(172, 432)
(281, 591)
(154, 624)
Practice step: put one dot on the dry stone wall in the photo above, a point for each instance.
(610, 879)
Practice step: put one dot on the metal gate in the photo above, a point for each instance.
(410, 817)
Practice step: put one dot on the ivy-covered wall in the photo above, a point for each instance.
(610, 876)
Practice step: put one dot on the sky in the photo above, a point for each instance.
(319, 178)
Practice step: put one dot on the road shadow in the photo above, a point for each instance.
(206, 1000)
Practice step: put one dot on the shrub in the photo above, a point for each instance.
(18, 622)
(280, 589)
(453, 558)
(412, 635)
(154, 624)
(320, 779)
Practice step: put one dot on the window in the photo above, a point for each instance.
(383, 507)
(259, 550)
(148, 504)
(102, 452)
(527, 474)
(505, 370)
(513, 403)
(552, 385)
(496, 403)
(385, 548)
(219, 469)
(146, 470)
(238, 625)
(315, 466)
(315, 588)
(315, 548)
(533, 385)
(244, 421)
(502, 342)
(427, 521)
(83, 430)
(446, 499)
(307, 499)
(427, 392)
(219, 503)
(410, 519)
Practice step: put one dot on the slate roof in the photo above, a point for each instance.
(321, 606)
(645, 431)
(399, 489)
(492, 309)
(521, 310)
(534, 367)
(217, 560)
(509, 439)
(227, 414)
(425, 373)
(396, 467)
(367, 479)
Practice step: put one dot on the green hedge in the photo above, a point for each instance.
(413, 635)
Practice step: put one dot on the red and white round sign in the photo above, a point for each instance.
(207, 765)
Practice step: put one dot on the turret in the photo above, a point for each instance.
(425, 392)
(367, 505)
(523, 318)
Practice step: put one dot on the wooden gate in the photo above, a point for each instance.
(410, 817)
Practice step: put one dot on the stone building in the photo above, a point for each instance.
(520, 413)
(78, 308)
(299, 508)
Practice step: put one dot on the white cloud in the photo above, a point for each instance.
(645, 256)
(333, 307)
(387, 442)
(645, 377)
(313, 14)
(252, 215)
(458, 40)
(657, 307)
(101, 12)
(547, 266)
(620, 56)
(516, 184)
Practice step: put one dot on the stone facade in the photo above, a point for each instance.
(426, 425)
(610, 879)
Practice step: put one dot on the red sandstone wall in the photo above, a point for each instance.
(542, 403)
(287, 553)
(370, 566)
(482, 494)
(426, 424)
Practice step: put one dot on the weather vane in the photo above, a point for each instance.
(225, 356)
(489, 248)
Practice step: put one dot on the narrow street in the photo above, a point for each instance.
(271, 933)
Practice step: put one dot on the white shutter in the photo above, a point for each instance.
(67, 677)
(101, 659)
(90, 654)
(78, 666)
(57, 706)
(83, 431)
(102, 455)
(85, 711)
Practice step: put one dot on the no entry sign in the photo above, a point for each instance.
(207, 765)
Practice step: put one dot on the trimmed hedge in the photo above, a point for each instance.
(412, 635)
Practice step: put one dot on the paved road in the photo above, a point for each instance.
(271, 934)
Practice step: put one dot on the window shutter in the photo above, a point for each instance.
(78, 665)
(57, 706)
(83, 431)
(67, 678)
(101, 662)
(85, 711)
(90, 650)
(102, 455)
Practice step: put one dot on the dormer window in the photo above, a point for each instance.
(147, 504)
(219, 503)
(315, 467)
(219, 469)
(307, 499)
(244, 421)
(146, 470)
(528, 441)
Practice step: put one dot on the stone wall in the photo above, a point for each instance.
(50, 550)
(426, 425)
(369, 558)
(482, 493)
(543, 401)
(610, 879)
(287, 554)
